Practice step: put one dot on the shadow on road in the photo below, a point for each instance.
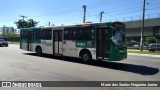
(139, 69)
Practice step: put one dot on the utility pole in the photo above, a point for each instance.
(142, 29)
(101, 13)
(23, 17)
(84, 16)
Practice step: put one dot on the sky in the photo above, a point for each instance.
(66, 12)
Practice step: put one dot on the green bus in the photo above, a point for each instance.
(88, 41)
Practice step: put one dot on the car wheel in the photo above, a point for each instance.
(152, 50)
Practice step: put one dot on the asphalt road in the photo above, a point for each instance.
(20, 65)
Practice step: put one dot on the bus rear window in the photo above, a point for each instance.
(24, 34)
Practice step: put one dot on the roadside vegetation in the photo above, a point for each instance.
(16, 43)
(142, 52)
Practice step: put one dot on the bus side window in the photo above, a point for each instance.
(60, 36)
(56, 36)
(70, 33)
(46, 34)
(86, 33)
(92, 34)
(80, 34)
(70, 36)
(74, 34)
(42, 34)
(24, 34)
(36, 34)
(89, 33)
(65, 34)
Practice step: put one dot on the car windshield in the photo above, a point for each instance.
(154, 45)
(119, 36)
(2, 40)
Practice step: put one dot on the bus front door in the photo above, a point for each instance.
(102, 45)
(29, 41)
(57, 42)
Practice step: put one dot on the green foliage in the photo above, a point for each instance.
(26, 24)
(150, 39)
(1, 36)
(143, 52)
(10, 35)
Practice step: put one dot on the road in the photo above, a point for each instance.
(20, 65)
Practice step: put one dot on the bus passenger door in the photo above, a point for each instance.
(29, 41)
(102, 45)
(57, 42)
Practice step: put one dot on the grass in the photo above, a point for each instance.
(143, 52)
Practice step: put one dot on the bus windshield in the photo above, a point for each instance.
(119, 36)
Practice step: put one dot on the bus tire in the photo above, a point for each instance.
(39, 51)
(86, 56)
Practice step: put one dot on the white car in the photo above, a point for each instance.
(154, 47)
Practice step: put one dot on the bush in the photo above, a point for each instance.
(150, 39)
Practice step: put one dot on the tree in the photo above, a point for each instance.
(26, 24)
(10, 36)
(150, 39)
(31, 23)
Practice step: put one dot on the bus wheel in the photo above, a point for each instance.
(39, 51)
(86, 57)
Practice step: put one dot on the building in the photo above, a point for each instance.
(151, 28)
(1, 30)
(5, 29)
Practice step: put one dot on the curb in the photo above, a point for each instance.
(148, 55)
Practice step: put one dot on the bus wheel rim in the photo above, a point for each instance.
(38, 51)
(85, 57)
